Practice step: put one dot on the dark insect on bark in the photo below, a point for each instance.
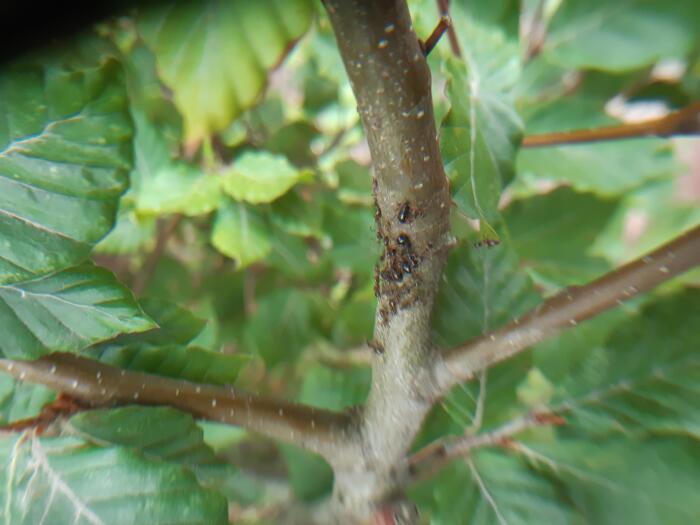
(489, 243)
(405, 213)
(403, 240)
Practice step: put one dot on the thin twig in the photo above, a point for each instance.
(165, 231)
(682, 122)
(444, 9)
(442, 26)
(535, 32)
(568, 308)
(101, 385)
(436, 455)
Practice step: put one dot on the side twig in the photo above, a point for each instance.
(442, 26)
(165, 231)
(685, 121)
(444, 9)
(100, 385)
(568, 308)
(435, 456)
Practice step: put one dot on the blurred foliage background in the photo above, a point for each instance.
(246, 234)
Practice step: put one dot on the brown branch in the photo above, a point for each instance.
(442, 26)
(444, 9)
(685, 121)
(568, 308)
(100, 385)
(536, 31)
(61, 408)
(165, 231)
(392, 84)
(438, 454)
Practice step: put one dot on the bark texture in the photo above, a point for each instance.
(392, 84)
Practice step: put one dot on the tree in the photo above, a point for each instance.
(445, 365)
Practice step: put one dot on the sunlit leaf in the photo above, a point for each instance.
(162, 184)
(259, 177)
(215, 55)
(241, 232)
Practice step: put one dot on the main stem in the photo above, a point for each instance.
(392, 84)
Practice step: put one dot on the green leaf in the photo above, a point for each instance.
(645, 375)
(179, 362)
(482, 290)
(294, 142)
(492, 488)
(66, 312)
(65, 151)
(297, 216)
(353, 324)
(63, 480)
(20, 400)
(175, 323)
(259, 176)
(553, 233)
(622, 481)
(242, 233)
(335, 389)
(215, 55)
(561, 356)
(352, 233)
(660, 212)
(608, 169)
(309, 475)
(354, 183)
(482, 130)
(584, 33)
(132, 233)
(157, 432)
(283, 325)
(294, 258)
(161, 184)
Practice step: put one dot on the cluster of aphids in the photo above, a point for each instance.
(402, 261)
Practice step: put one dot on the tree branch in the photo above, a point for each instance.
(442, 26)
(165, 231)
(100, 385)
(444, 8)
(435, 456)
(682, 122)
(568, 308)
(392, 84)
